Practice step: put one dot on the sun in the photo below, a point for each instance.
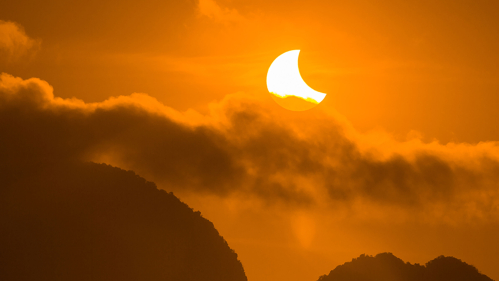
(286, 85)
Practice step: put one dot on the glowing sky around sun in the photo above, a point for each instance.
(402, 155)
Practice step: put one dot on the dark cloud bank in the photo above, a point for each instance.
(240, 148)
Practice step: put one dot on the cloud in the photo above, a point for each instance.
(244, 148)
(14, 43)
(212, 10)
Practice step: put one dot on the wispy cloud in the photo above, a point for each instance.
(212, 10)
(14, 43)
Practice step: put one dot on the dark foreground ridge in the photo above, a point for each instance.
(387, 267)
(96, 222)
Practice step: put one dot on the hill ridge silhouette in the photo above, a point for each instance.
(388, 267)
(87, 221)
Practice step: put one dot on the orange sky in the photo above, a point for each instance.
(401, 156)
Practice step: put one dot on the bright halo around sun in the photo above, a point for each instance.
(287, 87)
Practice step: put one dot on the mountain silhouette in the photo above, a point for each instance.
(387, 267)
(86, 221)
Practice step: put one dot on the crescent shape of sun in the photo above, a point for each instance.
(286, 85)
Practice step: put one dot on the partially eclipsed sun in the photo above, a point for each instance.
(286, 85)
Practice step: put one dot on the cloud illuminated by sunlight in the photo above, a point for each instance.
(14, 42)
(213, 10)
